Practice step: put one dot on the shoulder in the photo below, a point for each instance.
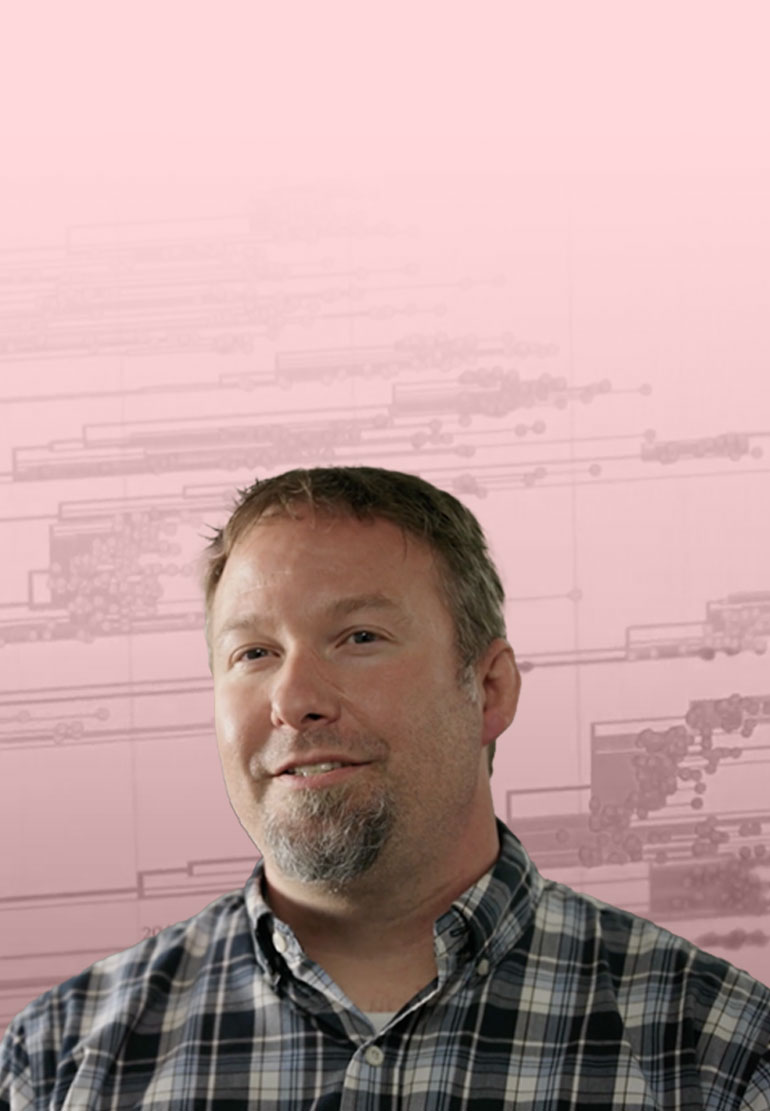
(638, 949)
(666, 988)
(104, 1001)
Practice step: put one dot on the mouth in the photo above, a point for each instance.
(318, 775)
(315, 769)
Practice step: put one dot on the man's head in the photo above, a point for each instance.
(359, 675)
(469, 582)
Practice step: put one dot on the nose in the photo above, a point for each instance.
(302, 693)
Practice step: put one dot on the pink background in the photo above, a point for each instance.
(524, 254)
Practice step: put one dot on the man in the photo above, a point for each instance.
(394, 947)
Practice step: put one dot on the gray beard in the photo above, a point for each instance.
(328, 839)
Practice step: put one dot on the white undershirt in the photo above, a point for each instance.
(379, 1019)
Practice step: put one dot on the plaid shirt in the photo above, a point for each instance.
(544, 999)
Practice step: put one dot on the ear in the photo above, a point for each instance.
(500, 683)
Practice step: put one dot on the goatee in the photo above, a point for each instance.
(329, 838)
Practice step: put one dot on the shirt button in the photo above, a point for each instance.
(482, 967)
(374, 1055)
(280, 942)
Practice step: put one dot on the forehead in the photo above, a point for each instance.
(312, 558)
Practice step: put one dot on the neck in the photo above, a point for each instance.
(393, 905)
(375, 939)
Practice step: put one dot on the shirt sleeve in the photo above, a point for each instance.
(16, 1093)
(757, 1095)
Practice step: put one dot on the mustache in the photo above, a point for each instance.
(358, 746)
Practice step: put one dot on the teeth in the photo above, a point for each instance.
(313, 769)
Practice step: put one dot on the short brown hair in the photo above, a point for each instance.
(469, 580)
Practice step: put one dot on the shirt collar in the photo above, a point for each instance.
(485, 921)
(489, 917)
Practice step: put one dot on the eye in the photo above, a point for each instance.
(250, 654)
(369, 636)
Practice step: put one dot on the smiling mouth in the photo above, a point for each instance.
(317, 769)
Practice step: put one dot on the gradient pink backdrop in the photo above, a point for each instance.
(524, 254)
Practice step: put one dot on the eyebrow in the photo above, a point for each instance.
(343, 607)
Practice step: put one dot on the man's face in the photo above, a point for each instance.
(331, 644)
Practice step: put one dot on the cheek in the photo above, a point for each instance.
(231, 722)
(235, 745)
